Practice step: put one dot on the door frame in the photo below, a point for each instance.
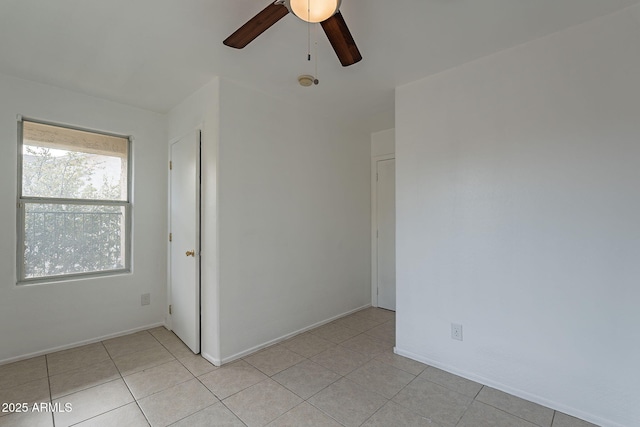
(374, 224)
(167, 317)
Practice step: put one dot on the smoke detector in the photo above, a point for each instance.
(306, 80)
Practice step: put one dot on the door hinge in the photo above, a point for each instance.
(171, 237)
(170, 165)
(169, 308)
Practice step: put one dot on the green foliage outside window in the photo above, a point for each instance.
(74, 211)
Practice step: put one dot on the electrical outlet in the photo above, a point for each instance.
(145, 299)
(456, 331)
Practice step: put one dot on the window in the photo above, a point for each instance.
(74, 210)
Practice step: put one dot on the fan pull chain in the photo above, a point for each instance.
(315, 53)
(309, 42)
(308, 30)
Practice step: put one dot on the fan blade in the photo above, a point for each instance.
(340, 38)
(256, 25)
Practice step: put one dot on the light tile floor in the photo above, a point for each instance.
(341, 374)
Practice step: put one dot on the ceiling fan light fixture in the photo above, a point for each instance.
(314, 10)
(306, 80)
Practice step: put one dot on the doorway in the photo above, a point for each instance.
(184, 237)
(384, 224)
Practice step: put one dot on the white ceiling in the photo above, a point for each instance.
(154, 53)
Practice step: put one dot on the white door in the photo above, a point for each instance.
(386, 244)
(185, 240)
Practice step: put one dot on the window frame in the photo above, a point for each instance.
(22, 201)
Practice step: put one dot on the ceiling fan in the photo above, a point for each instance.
(326, 12)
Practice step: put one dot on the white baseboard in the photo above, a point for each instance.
(208, 357)
(507, 389)
(79, 343)
(282, 338)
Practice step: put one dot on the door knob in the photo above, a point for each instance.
(191, 253)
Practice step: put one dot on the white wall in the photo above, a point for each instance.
(285, 217)
(39, 318)
(294, 219)
(201, 111)
(383, 142)
(518, 216)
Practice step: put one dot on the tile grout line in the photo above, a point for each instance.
(97, 415)
(339, 379)
(514, 415)
(370, 359)
(468, 407)
(405, 407)
(113, 361)
(107, 382)
(136, 400)
(213, 394)
(125, 384)
(46, 362)
(372, 415)
(187, 416)
(403, 370)
(478, 393)
(322, 410)
(234, 414)
(246, 388)
(239, 391)
(294, 393)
